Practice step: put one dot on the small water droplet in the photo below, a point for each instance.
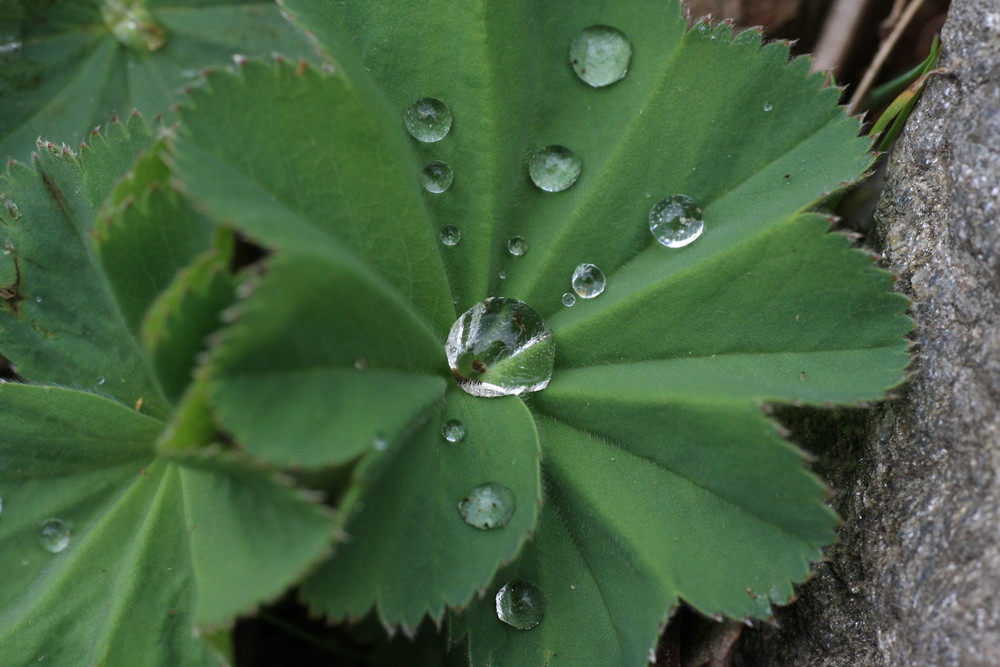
(451, 235)
(1, 505)
(360, 364)
(554, 168)
(437, 177)
(133, 25)
(100, 380)
(600, 55)
(502, 275)
(38, 299)
(8, 247)
(12, 210)
(768, 106)
(676, 221)
(453, 430)
(428, 120)
(520, 604)
(588, 281)
(380, 442)
(517, 246)
(501, 347)
(569, 299)
(488, 506)
(54, 535)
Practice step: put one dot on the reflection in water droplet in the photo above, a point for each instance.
(450, 235)
(100, 380)
(54, 535)
(569, 299)
(676, 221)
(600, 55)
(380, 442)
(133, 25)
(12, 210)
(502, 275)
(517, 246)
(554, 168)
(520, 604)
(588, 281)
(437, 177)
(500, 347)
(488, 506)
(428, 120)
(453, 430)
(768, 106)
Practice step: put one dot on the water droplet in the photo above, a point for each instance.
(488, 506)
(554, 168)
(437, 177)
(502, 275)
(676, 221)
(451, 235)
(133, 25)
(517, 246)
(520, 604)
(12, 210)
(380, 442)
(1, 505)
(569, 299)
(428, 120)
(360, 364)
(501, 347)
(100, 380)
(768, 106)
(600, 55)
(38, 299)
(588, 281)
(54, 536)
(453, 430)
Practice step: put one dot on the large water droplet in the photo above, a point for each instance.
(676, 221)
(428, 120)
(600, 55)
(12, 210)
(588, 281)
(453, 430)
(517, 246)
(569, 299)
(437, 177)
(501, 347)
(54, 535)
(133, 25)
(450, 235)
(520, 604)
(488, 506)
(554, 168)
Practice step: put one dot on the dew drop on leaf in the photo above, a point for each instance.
(588, 281)
(12, 210)
(133, 25)
(487, 506)
(54, 535)
(453, 430)
(380, 442)
(600, 55)
(768, 106)
(554, 168)
(520, 604)
(569, 299)
(501, 347)
(517, 246)
(451, 235)
(676, 221)
(502, 275)
(428, 120)
(100, 380)
(436, 177)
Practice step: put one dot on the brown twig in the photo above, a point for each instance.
(883, 53)
(838, 33)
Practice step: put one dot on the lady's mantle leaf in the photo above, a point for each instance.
(663, 478)
(71, 66)
(155, 544)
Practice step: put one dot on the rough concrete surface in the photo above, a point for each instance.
(915, 576)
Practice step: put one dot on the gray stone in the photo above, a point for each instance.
(915, 576)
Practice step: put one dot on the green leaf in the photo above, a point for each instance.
(155, 546)
(62, 324)
(408, 548)
(70, 71)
